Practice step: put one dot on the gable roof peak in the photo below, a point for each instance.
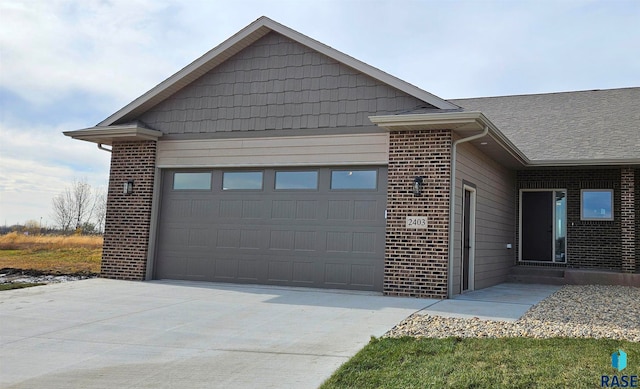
(239, 41)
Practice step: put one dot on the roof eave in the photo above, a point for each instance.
(585, 162)
(459, 122)
(111, 134)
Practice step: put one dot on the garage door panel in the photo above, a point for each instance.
(197, 267)
(337, 274)
(303, 272)
(230, 209)
(225, 269)
(228, 239)
(364, 242)
(305, 241)
(362, 275)
(280, 271)
(318, 238)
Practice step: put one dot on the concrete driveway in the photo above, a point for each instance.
(117, 334)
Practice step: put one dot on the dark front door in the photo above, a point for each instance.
(537, 226)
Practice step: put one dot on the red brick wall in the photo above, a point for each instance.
(416, 260)
(591, 244)
(126, 236)
(628, 222)
(637, 219)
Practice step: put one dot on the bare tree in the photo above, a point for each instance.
(82, 202)
(74, 207)
(63, 210)
(100, 208)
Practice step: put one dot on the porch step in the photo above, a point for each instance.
(537, 275)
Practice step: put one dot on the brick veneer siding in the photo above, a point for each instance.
(637, 219)
(628, 212)
(590, 244)
(126, 236)
(416, 260)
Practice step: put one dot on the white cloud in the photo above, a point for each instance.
(37, 164)
(51, 48)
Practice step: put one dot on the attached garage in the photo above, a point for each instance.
(320, 227)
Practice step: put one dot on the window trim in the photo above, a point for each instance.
(584, 218)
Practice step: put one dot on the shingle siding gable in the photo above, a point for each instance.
(277, 83)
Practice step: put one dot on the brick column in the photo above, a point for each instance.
(416, 260)
(128, 221)
(628, 222)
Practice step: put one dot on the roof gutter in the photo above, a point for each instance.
(452, 203)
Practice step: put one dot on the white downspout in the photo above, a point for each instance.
(452, 204)
(101, 147)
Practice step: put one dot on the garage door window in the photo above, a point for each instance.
(354, 179)
(297, 180)
(192, 181)
(242, 181)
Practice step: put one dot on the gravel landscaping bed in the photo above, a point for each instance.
(577, 311)
(17, 276)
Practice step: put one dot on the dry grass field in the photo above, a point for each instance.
(55, 254)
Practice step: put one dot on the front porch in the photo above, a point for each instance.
(578, 226)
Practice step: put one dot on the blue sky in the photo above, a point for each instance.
(67, 65)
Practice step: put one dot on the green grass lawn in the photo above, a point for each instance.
(483, 363)
(18, 286)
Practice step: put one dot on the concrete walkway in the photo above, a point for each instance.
(506, 302)
(116, 334)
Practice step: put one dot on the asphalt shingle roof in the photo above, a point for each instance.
(597, 124)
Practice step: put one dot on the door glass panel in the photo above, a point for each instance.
(242, 180)
(297, 180)
(354, 179)
(560, 226)
(192, 181)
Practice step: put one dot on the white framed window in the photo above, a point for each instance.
(596, 204)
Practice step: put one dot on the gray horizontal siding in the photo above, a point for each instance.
(318, 150)
(277, 83)
(495, 217)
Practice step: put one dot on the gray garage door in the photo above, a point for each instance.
(314, 227)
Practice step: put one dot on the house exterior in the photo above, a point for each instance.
(274, 159)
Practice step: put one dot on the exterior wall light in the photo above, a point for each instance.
(128, 187)
(417, 186)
